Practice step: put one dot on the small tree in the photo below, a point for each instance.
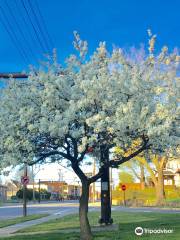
(98, 104)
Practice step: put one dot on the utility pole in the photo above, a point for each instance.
(105, 188)
(34, 173)
(60, 173)
(61, 184)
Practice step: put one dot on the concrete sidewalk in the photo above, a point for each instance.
(10, 230)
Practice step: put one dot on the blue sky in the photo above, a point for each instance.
(120, 22)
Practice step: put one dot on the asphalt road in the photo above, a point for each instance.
(16, 210)
(67, 207)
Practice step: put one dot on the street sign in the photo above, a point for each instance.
(123, 187)
(24, 180)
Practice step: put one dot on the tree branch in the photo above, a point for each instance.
(117, 162)
(83, 154)
(79, 172)
(43, 156)
(96, 176)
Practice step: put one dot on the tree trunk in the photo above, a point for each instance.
(160, 193)
(83, 213)
(142, 177)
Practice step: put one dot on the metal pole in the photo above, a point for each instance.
(25, 193)
(124, 198)
(39, 191)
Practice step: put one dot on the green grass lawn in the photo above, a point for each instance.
(127, 222)
(8, 222)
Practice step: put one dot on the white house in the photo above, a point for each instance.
(172, 173)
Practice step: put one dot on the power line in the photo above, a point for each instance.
(39, 26)
(26, 24)
(34, 28)
(12, 35)
(20, 30)
(44, 24)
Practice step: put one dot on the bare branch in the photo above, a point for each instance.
(43, 156)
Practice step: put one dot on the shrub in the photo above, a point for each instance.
(29, 194)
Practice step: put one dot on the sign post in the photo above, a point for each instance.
(39, 191)
(25, 181)
(123, 188)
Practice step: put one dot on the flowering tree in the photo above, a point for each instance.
(107, 101)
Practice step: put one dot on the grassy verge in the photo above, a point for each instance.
(8, 222)
(127, 223)
(146, 197)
